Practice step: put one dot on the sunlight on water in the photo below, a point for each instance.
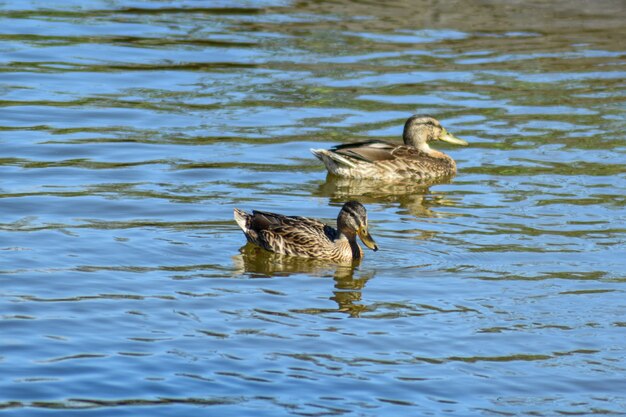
(131, 129)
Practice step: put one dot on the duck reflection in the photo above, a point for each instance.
(415, 197)
(259, 263)
(348, 294)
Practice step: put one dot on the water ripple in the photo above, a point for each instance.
(131, 130)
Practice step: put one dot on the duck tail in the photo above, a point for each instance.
(332, 160)
(243, 219)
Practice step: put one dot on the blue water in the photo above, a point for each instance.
(130, 130)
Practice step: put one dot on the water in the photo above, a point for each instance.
(131, 129)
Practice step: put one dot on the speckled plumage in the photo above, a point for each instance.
(306, 237)
(377, 159)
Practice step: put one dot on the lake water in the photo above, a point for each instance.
(130, 130)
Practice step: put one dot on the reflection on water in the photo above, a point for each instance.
(130, 130)
(257, 263)
(414, 197)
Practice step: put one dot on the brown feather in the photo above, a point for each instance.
(383, 160)
(300, 236)
(369, 151)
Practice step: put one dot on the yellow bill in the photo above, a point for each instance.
(450, 138)
(367, 239)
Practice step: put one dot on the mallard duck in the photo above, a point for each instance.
(378, 159)
(309, 238)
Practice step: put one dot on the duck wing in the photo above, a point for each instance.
(378, 150)
(369, 151)
(266, 220)
(291, 235)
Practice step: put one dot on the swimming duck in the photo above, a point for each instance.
(306, 237)
(378, 159)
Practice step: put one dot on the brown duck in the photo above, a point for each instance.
(309, 238)
(382, 160)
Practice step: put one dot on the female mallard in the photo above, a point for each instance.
(377, 159)
(306, 237)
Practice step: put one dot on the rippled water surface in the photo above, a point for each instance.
(129, 130)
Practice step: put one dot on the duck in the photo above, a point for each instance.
(307, 237)
(381, 160)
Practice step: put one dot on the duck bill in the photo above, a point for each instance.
(450, 138)
(367, 240)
